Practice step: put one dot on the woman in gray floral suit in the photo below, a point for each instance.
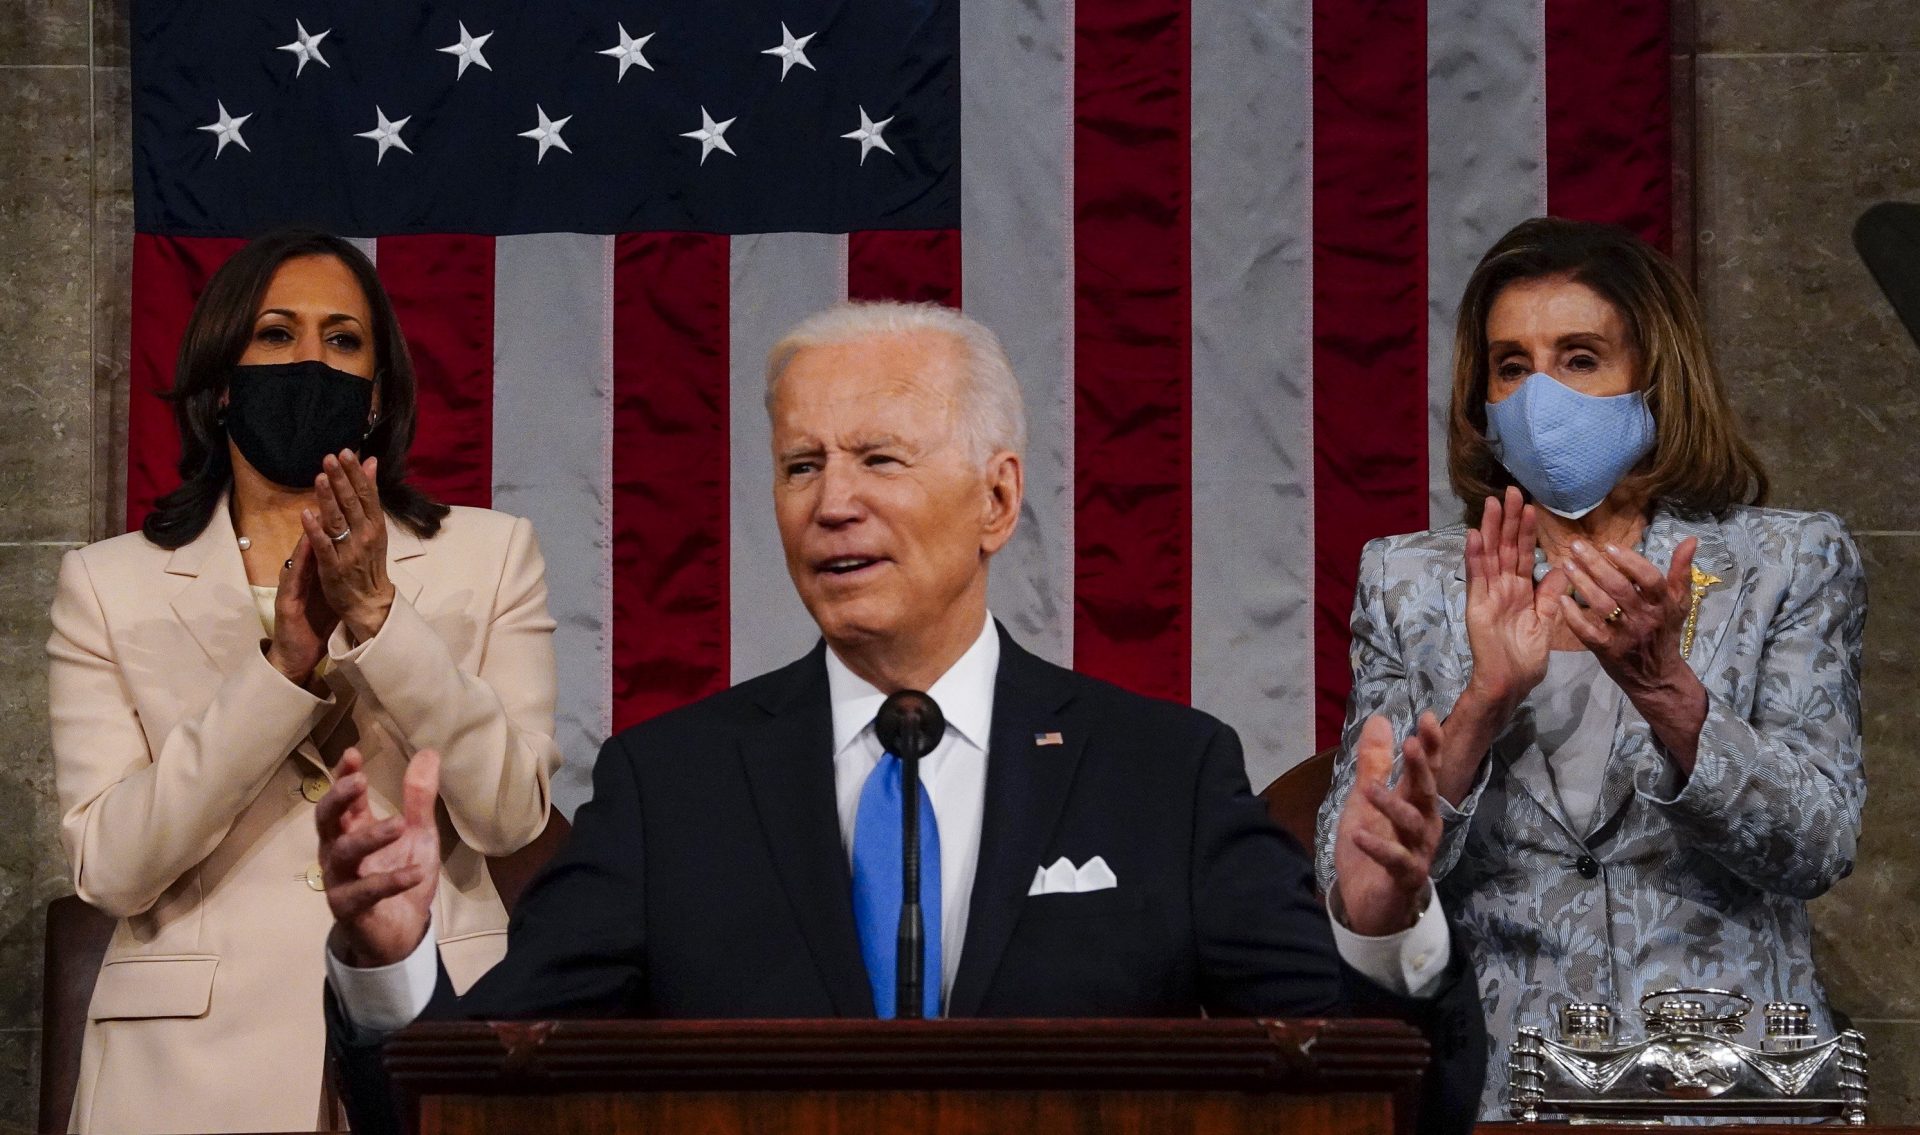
(1651, 684)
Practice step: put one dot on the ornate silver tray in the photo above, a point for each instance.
(1688, 1064)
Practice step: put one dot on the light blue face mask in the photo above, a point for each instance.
(1566, 448)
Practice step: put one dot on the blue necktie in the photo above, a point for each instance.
(876, 886)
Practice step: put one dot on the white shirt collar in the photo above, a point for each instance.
(964, 694)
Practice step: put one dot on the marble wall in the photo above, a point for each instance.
(1798, 116)
(65, 215)
(1804, 115)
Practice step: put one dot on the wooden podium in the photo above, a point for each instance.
(767, 1077)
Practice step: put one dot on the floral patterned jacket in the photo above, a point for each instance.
(1703, 883)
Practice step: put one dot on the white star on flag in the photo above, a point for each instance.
(628, 51)
(710, 135)
(791, 51)
(227, 129)
(305, 47)
(869, 135)
(547, 133)
(468, 50)
(387, 134)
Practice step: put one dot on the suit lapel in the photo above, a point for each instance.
(1027, 786)
(789, 767)
(1451, 681)
(1632, 735)
(217, 607)
(402, 546)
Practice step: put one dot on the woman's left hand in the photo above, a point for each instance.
(1634, 620)
(349, 538)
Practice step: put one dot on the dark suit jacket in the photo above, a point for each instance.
(706, 878)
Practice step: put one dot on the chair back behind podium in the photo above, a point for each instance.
(77, 939)
(942, 1077)
(1294, 799)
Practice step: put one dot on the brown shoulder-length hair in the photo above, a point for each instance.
(1699, 463)
(216, 337)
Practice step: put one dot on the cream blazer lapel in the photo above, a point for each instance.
(403, 546)
(215, 606)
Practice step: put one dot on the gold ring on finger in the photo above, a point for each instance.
(1614, 615)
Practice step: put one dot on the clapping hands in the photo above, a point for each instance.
(1388, 834)
(1511, 621)
(380, 874)
(1634, 622)
(1628, 612)
(302, 620)
(338, 570)
(347, 532)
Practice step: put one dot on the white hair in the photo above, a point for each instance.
(992, 416)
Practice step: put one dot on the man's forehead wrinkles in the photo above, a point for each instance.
(855, 442)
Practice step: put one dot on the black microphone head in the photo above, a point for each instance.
(910, 724)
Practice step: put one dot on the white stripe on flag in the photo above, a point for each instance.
(1486, 172)
(778, 279)
(1016, 142)
(368, 245)
(1253, 569)
(552, 447)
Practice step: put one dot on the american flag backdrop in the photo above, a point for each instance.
(1221, 239)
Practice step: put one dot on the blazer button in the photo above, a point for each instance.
(315, 879)
(1587, 867)
(313, 786)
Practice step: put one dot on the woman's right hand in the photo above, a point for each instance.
(1510, 621)
(302, 620)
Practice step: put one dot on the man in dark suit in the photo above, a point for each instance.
(1098, 853)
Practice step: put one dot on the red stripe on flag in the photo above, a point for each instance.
(1609, 115)
(1132, 346)
(1369, 306)
(169, 274)
(670, 476)
(913, 266)
(442, 290)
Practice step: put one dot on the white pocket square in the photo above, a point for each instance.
(1063, 878)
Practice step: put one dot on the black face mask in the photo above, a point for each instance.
(286, 417)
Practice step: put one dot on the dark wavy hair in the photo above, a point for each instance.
(1700, 461)
(216, 337)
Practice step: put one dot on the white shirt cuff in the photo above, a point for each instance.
(1410, 963)
(386, 999)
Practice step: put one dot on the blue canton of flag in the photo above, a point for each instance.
(369, 117)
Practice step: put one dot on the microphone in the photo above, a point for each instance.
(909, 726)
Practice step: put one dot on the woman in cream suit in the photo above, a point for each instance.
(293, 597)
(1652, 684)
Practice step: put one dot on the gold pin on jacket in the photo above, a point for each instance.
(1701, 581)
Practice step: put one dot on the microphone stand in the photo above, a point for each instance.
(910, 950)
(910, 726)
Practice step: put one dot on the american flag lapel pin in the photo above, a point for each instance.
(1048, 739)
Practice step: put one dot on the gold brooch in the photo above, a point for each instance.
(1701, 581)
